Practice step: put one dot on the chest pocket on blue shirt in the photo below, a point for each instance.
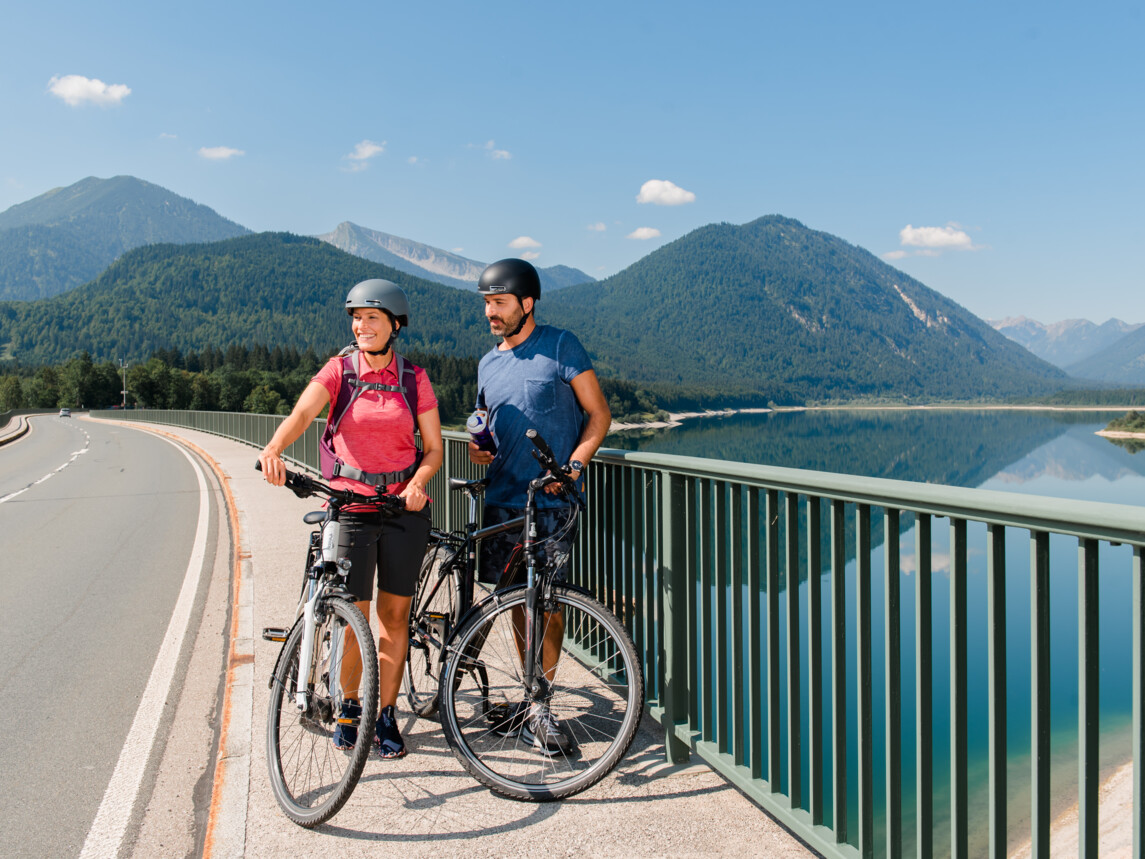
(540, 396)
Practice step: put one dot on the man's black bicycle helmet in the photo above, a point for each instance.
(513, 276)
(382, 295)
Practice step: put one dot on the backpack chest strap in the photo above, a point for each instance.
(376, 386)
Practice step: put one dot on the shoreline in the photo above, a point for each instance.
(675, 419)
(1115, 816)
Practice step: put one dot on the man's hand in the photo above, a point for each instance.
(478, 456)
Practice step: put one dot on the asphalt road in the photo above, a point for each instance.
(105, 532)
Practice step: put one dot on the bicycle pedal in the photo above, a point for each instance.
(274, 633)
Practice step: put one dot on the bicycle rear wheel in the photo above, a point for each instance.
(434, 615)
(312, 779)
(596, 694)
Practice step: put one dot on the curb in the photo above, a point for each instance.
(23, 427)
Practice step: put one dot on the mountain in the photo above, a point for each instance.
(769, 310)
(67, 236)
(266, 288)
(779, 311)
(1063, 343)
(432, 263)
(1122, 363)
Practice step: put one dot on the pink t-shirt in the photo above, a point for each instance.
(377, 432)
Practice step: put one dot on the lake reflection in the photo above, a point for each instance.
(1011, 449)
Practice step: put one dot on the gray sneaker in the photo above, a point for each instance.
(545, 733)
(506, 720)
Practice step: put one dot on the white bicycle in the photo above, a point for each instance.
(329, 642)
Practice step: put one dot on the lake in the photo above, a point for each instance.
(1039, 452)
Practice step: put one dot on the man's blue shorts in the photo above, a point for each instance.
(498, 551)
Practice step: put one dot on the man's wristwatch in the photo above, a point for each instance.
(575, 465)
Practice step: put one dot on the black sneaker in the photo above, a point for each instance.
(346, 734)
(506, 720)
(545, 734)
(388, 739)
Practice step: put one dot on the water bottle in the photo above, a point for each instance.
(478, 426)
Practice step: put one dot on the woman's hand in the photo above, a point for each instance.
(415, 497)
(273, 468)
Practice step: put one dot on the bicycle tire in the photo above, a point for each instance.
(597, 693)
(311, 779)
(436, 605)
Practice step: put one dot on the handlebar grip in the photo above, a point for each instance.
(539, 442)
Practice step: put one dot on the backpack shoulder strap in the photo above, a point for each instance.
(407, 380)
(347, 391)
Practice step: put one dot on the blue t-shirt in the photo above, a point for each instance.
(529, 387)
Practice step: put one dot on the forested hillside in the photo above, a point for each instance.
(776, 310)
(67, 236)
(273, 289)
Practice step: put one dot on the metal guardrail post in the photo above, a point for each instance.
(674, 596)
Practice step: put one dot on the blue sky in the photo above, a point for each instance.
(991, 150)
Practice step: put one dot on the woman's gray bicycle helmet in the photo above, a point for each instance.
(380, 294)
(513, 276)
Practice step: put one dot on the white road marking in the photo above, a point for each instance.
(110, 825)
(74, 456)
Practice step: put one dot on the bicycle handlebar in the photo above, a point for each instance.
(548, 460)
(304, 486)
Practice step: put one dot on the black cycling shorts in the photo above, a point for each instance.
(383, 550)
(497, 551)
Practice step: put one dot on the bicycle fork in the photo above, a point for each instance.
(306, 679)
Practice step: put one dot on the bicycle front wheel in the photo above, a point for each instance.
(594, 693)
(311, 778)
(434, 614)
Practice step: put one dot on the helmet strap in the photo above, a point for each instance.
(520, 325)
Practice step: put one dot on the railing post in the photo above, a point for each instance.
(1138, 625)
(864, 682)
(959, 772)
(1087, 698)
(1040, 694)
(674, 597)
(996, 676)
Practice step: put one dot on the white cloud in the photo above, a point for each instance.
(163, 135)
(524, 242)
(490, 147)
(530, 255)
(598, 227)
(950, 237)
(219, 153)
(76, 89)
(644, 233)
(414, 161)
(664, 193)
(895, 255)
(363, 152)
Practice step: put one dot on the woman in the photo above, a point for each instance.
(374, 441)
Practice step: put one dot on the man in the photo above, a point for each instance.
(538, 377)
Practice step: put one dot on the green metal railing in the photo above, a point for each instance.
(755, 596)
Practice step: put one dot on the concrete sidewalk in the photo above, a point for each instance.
(425, 804)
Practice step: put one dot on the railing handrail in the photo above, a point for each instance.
(1119, 523)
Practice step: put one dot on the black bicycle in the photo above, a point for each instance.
(310, 685)
(539, 687)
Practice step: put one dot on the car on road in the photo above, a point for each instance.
(65, 413)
